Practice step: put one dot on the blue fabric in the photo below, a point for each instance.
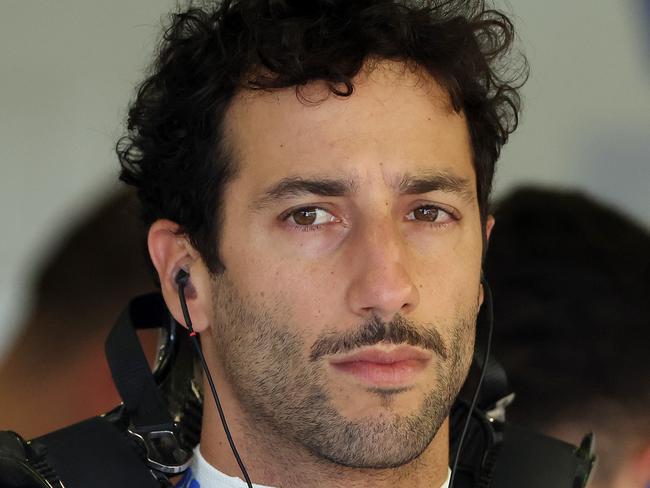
(188, 481)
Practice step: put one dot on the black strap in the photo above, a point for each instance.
(129, 368)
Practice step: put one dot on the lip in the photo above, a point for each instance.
(380, 367)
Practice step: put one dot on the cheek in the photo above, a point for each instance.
(265, 258)
(306, 293)
(452, 254)
(313, 294)
(448, 276)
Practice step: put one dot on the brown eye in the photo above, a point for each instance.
(428, 214)
(310, 217)
(304, 216)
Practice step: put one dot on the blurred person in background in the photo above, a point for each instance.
(571, 284)
(59, 360)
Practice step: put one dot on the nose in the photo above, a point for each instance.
(381, 283)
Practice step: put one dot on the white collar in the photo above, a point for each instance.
(203, 475)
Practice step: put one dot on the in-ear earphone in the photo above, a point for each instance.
(182, 279)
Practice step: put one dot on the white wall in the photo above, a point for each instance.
(587, 104)
(68, 69)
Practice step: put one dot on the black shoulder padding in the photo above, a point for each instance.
(96, 454)
(536, 461)
(500, 455)
(19, 465)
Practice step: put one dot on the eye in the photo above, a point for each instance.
(310, 216)
(430, 213)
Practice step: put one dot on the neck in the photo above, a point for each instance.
(273, 460)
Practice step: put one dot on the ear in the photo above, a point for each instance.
(170, 251)
(489, 224)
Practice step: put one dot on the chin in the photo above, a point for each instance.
(380, 446)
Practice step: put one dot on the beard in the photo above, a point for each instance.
(283, 390)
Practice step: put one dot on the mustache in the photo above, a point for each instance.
(398, 331)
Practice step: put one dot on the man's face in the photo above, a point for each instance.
(351, 240)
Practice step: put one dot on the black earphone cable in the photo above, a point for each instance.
(181, 281)
(488, 345)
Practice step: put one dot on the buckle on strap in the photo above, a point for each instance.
(162, 449)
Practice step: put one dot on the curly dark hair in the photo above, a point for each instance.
(174, 152)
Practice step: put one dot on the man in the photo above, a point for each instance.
(571, 281)
(321, 170)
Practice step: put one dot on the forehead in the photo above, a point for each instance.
(396, 122)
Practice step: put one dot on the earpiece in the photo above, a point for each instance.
(182, 277)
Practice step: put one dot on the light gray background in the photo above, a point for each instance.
(68, 70)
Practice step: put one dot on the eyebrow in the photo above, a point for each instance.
(296, 186)
(439, 181)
